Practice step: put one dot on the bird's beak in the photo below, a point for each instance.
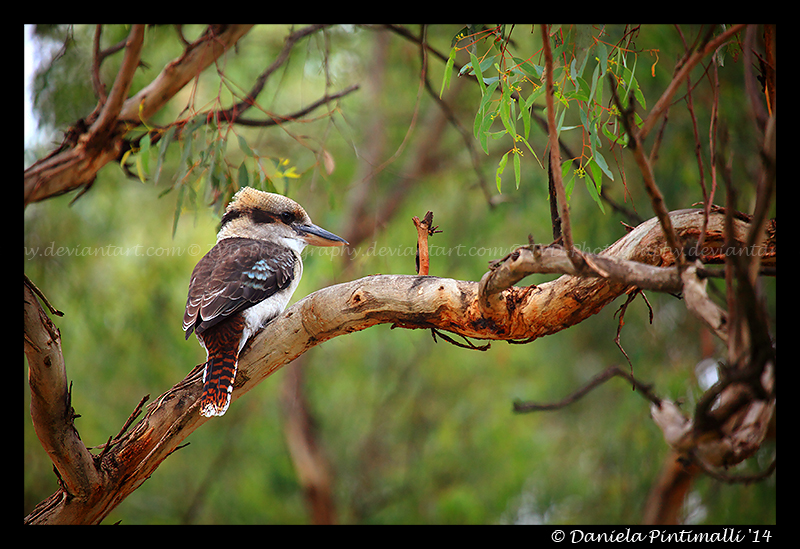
(317, 236)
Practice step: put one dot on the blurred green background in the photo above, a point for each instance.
(415, 431)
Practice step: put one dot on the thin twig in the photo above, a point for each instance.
(633, 217)
(109, 115)
(623, 308)
(98, 56)
(405, 33)
(656, 198)
(113, 440)
(555, 157)
(555, 219)
(753, 91)
(712, 146)
(276, 119)
(466, 136)
(133, 416)
(29, 283)
(469, 344)
(97, 83)
(599, 379)
(737, 479)
(234, 112)
(425, 228)
(665, 100)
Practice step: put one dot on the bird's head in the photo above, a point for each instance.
(275, 218)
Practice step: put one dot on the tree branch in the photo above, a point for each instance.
(656, 198)
(97, 58)
(425, 228)
(235, 111)
(640, 259)
(106, 122)
(665, 100)
(415, 302)
(555, 157)
(51, 410)
(275, 119)
(215, 41)
(596, 381)
(75, 164)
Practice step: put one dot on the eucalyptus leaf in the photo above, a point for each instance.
(448, 70)
(243, 176)
(603, 165)
(244, 146)
(500, 168)
(166, 139)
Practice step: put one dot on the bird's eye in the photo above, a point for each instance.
(287, 217)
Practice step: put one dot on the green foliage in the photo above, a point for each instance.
(520, 82)
(205, 165)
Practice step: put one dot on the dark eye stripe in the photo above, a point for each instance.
(229, 216)
(258, 216)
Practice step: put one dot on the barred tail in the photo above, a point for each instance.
(220, 371)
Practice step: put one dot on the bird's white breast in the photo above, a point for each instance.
(257, 316)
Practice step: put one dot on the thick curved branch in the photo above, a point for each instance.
(214, 42)
(401, 300)
(51, 411)
(638, 259)
(112, 105)
(75, 165)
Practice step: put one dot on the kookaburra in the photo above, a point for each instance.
(245, 281)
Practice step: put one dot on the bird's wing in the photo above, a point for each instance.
(234, 275)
